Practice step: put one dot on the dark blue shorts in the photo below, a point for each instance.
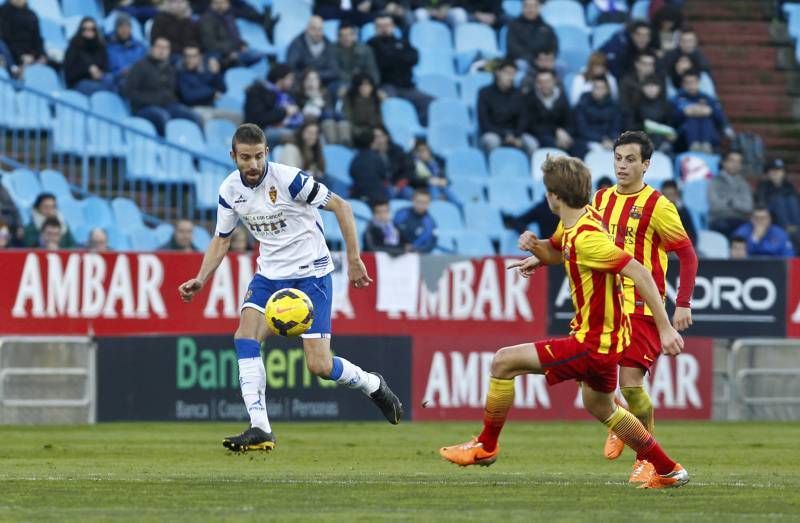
(319, 290)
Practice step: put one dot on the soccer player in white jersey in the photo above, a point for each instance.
(279, 206)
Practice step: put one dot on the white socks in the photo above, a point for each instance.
(253, 382)
(353, 376)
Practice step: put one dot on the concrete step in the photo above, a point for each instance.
(729, 10)
(743, 56)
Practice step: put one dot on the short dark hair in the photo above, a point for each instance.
(42, 197)
(691, 72)
(652, 79)
(672, 184)
(278, 72)
(601, 78)
(640, 137)
(738, 239)
(638, 24)
(51, 222)
(346, 25)
(378, 201)
(422, 190)
(546, 71)
(505, 62)
(248, 134)
(729, 152)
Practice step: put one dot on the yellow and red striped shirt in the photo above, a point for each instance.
(593, 262)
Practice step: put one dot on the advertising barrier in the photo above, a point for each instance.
(197, 378)
(451, 377)
(793, 301)
(732, 298)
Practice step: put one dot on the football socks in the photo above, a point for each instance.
(253, 382)
(350, 375)
(498, 401)
(639, 405)
(632, 432)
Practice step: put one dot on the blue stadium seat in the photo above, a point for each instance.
(368, 31)
(360, 209)
(468, 189)
(695, 198)
(436, 61)
(73, 213)
(8, 100)
(254, 35)
(539, 156)
(219, 131)
(471, 84)
(127, 215)
(593, 13)
(446, 241)
(286, 30)
(105, 138)
(260, 68)
(42, 78)
(54, 182)
(31, 111)
(400, 113)
(446, 214)
(143, 150)
(206, 186)
(600, 163)
(601, 33)
(513, 8)
(564, 13)
(69, 128)
(428, 34)
(177, 163)
(337, 160)
(396, 204)
(573, 47)
(509, 239)
(230, 102)
(711, 244)
(330, 28)
(216, 159)
(82, 8)
(639, 10)
(450, 111)
(438, 85)
(55, 43)
(200, 237)
(512, 195)
(660, 169)
(47, 9)
(298, 9)
(484, 217)
(475, 243)
(163, 232)
(117, 240)
(24, 187)
(507, 162)
(333, 234)
(237, 80)
(447, 137)
(465, 162)
(97, 212)
(473, 40)
(137, 33)
(143, 240)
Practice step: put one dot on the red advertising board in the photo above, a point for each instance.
(793, 300)
(450, 376)
(136, 293)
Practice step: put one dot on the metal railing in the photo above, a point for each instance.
(97, 153)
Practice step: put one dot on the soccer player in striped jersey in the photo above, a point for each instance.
(280, 206)
(646, 225)
(600, 330)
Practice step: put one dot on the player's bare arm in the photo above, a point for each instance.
(542, 249)
(356, 271)
(217, 250)
(671, 341)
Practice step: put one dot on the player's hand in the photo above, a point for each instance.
(682, 318)
(189, 288)
(671, 341)
(357, 274)
(527, 241)
(526, 267)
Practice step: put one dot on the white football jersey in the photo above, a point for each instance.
(281, 213)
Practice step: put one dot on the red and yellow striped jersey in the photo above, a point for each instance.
(647, 226)
(593, 262)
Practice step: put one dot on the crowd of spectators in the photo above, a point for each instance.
(648, 76)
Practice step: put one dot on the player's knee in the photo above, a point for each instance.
(320, 366)
(501, 363)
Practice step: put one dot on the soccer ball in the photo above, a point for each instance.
(289, 312)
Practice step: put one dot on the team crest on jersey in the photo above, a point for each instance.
(273, 193)
(636, 212)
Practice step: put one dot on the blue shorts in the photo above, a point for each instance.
(319, 290)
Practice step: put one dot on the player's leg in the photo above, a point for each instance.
(252, 375)
(507, 363)
(321, 362)
(598, 399)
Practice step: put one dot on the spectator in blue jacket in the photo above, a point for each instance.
(781, 198)
(700, 119)
(623, 48)
(199, 80)
(598, 119)
(416, 225)
(123, 49)
(763, 237)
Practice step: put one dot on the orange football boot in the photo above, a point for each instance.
(642, 472)
(614, 446)
(470, 453)
(677, 478)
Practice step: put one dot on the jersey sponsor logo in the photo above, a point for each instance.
(273, 194)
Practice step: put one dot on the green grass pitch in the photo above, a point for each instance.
(374, 471)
